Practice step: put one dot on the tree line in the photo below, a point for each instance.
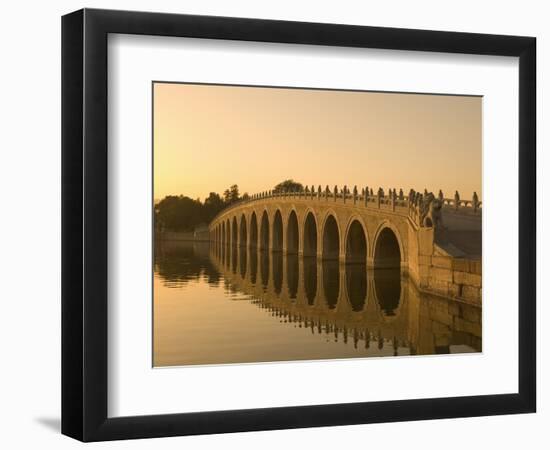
(181, 213)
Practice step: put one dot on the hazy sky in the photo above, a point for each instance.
(207, 138)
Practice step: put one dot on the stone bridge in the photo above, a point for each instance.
(434, 240)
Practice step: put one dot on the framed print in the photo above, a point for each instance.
(266, 224)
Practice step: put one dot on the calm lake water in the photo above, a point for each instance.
(216, 305)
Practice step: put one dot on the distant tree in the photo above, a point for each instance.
(288, 185)
(234, 193)
(213, 200)
(212, 206)
(179, 213)
(245, 196)
(227, 196)
(231, 195)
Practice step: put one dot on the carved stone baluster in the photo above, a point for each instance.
(379, 196)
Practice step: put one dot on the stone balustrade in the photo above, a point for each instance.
(411, 204)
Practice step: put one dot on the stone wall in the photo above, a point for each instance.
(458, 278)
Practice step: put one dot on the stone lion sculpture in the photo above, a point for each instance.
(430, 211)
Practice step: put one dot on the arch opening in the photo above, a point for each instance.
(331, 239)
(292, 237)
(242, 232)
(387, 254)
(234, 252)
(227, 232)
(264, 232)
(310, 236)
(356, 244)
(222, 242)
(253, 232)
(234, 232)
(234, 244)
(277, 244)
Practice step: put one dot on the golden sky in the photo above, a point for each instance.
(207, 138)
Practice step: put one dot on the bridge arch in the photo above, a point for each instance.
(292, 233)
(310, 234)
(277, 233)
(356, 241)
(264, 231)
(234, 232)
(388, 251)
(243, 235)
(227, 232)
(330, 237)
(253, 242)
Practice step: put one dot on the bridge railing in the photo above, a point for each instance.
(415, 204)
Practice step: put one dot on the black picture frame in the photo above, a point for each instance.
(84, 224)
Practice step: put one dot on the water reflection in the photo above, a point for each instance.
(310, 278)
(253, 266)
(356, 285)
(292, 270)
(347, 309)
(179, 264)
(264, 268)
(234, 257)
(242, 261)
(331, 282)
(387, 286)
(277, 272)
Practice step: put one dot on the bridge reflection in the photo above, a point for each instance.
(348, 300)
